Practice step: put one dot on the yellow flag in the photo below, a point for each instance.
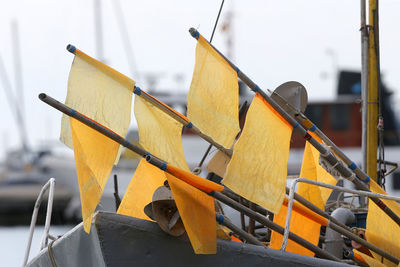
(145, 181)
(159, 133)
(100, 92)
(213, 98)
(94, 157)
(311, 170)
(258, 167)
(382, 231)
(367, 259)
(197, 212)
(300, 224)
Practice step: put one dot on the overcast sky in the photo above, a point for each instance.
(274, 42)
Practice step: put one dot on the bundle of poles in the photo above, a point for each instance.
(300, 122)
(227, 197)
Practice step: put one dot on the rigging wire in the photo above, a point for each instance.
(216, 21)
(381, 147)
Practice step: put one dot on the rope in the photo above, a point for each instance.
(51, 254)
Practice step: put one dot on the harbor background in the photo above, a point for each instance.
(14, 240)
(273, 41)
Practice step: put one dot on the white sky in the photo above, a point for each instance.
(274, 42)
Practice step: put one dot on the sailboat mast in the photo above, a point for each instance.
(373, 89)
(20, 104)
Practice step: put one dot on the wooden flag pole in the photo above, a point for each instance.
(204, 185)
(159, 104)
(180, 118)
(213, 189)
(186, 176)
(324, 151)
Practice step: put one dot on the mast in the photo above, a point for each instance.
(19, 91)
(364, 83)
(373, 89)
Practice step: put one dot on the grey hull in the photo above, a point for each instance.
(117, 240)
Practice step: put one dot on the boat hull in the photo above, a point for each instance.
(117, 240)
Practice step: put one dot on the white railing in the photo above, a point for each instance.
(48, 186)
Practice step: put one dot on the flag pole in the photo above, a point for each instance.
(223, 220)
(160, 105)
(324, 151)
(180, 118)
(209, 187)
(186, 176)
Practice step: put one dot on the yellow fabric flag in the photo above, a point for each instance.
(258, 167)
(145, 181)
(311, 169)
(300, 224)
(367, 259)
(94, 158)
(382, 231)
(197, 212)
(159, 133)
(100, 92)
(213, 98)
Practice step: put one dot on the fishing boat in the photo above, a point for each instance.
(171, 215)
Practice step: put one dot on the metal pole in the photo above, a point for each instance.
(180, 118)
(325, 152)
(187, 177)
(221, 219)
(39, 199)
(364, 83)
(45, 235)
(364, 90)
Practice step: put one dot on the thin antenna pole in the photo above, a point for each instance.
(98, 29)
(126, 40)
